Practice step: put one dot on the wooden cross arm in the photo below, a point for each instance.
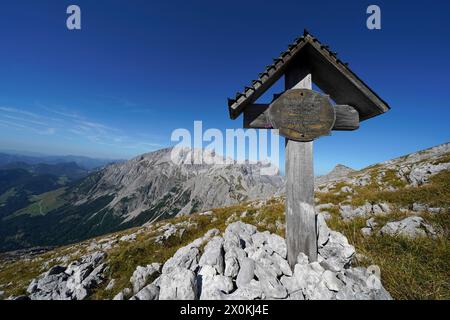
(255, 116)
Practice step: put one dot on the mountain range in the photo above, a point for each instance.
(48, 205)
(383, 232)
(147, 188)
(87, 163)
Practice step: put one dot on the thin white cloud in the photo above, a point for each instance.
(12, 124)
(61, 112)
(74, 126)
(22, 119)
(19, 111)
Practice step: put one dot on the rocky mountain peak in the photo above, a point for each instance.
(178, 181)
(338, 172)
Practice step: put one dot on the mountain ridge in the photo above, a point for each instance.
(146, 188)
(388, 215)
(151, 187)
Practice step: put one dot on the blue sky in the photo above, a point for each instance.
(139, 69)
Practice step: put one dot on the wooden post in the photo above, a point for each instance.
(301, 234)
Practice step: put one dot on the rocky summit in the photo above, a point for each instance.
(382, 234)
(239, 264)
(338, 172)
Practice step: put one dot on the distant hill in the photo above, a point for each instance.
(70, 170)
(83, 162)
(338, 172)
(19, 185)
(147, 188)
(32, 189)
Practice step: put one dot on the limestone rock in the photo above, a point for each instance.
(270, 285)
(337, 252)
(149, 292)
(213, 255)
(128, 237)
(246, 272)
(214, 286)
(72, 283)
(420, 173)
(178, 284)
(188, 256)
(142, 274)
(322, 230)
(278, 244)
(370, 225)
(411, 227)
(250, 291)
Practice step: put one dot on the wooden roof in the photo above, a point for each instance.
(329, 73)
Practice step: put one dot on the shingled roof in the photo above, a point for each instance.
(328, 72)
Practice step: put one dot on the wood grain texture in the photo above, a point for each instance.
(329, 73)
(302, 115)
(301, 233)
(347, 118)
(255, 116)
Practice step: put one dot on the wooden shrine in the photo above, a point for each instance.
(302, 115)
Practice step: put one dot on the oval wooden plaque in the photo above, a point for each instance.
(302, 115)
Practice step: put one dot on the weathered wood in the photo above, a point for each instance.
(347, 118)
(330, 74)
(302, 115)
(301, 233)
(255, 116)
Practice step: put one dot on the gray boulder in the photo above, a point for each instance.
(370, 225)
(421, 173)
(72, 283)
(348, 212)
(277, 244)
(231, 264)
(419, 207)
(178, 284)
(246, 264)
(243, 232)
(246, 272)
(322, 230)
(336, 252)
(150, 292)
(250, 291)
(213, 255)
(185, 257)
(124, 294)
(213, 286)
(111, 285)
(188, 256)
(128, 237)
(141, 275)
(411, 227)
(270, 285)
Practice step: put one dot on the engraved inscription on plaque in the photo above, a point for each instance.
(302, 115)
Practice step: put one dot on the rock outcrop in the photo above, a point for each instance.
(411, 227)
(246, 264)
(338, 172)
(349, 212)
(73, 282)
(142, 274)
(412, 170)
